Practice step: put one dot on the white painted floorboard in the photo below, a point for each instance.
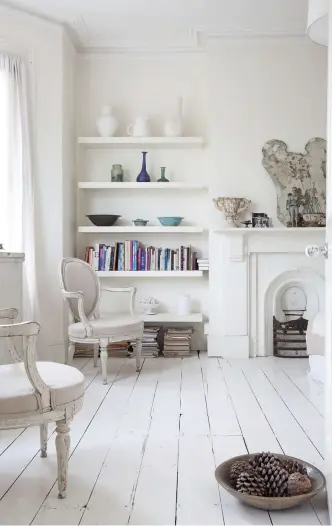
(144, 448)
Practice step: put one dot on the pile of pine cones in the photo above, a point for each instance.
(265, 475)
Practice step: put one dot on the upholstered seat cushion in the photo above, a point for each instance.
(107, 327)
(17, 394)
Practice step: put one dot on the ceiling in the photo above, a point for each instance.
(113, 24)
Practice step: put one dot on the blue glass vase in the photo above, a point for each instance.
(143, 176)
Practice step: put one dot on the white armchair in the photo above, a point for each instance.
(37, 393)
(81, 290)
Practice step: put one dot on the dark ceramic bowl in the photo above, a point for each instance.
(270, 503)
(103, 219)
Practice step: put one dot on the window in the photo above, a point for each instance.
(4, 162)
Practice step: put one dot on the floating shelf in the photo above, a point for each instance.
(151, 274)
(169, 317)
(140, 230)
(107, 142)
(140, 186)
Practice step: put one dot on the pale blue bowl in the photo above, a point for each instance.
(170, 221)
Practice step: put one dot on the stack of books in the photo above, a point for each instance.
(133, 255)
(150, 345)
(119, 349)
(203, 264)
(177, 342)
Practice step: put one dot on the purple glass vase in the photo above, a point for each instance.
(143, 176)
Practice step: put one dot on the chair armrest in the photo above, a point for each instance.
(8, 314)
(28, 330)
(79, 296)
(131, 290)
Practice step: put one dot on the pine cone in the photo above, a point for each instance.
(250, 484)
(294, 466)
(298, 484)
(263, 459)
(237, 468)
(276, 481)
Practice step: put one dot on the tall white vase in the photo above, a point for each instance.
(107, 124)
(174, 126)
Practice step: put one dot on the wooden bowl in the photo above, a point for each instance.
(270, 503)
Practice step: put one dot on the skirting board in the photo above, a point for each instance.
(228, 346)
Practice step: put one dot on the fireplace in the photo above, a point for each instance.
(263, 291)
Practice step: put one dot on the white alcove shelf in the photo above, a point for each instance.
(133, 185)
(108, 142)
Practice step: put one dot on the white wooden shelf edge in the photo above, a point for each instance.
(109, 141)
(140, 230)
(151, 274)
(272, 230)
(169, 317)
(105, 185)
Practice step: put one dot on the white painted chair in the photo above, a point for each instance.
(37, 393)
(81, 289)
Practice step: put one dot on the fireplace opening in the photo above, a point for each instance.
(289, 333)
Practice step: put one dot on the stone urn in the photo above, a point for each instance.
(232, 208)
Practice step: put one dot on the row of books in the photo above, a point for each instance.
(133, 255)
(177, 342)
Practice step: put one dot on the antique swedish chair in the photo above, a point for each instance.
(81, 290)
(34, 393)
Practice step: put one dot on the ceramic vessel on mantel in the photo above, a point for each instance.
(174, 126)
(140, 128)
(107, 124)
(232, 208)
(143, 176)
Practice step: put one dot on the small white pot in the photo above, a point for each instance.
(184, 305)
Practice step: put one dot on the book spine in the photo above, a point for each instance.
(139, 259)
(108, 258)
(143, 260)
(181, 258)
(131, 246)
(121, 260)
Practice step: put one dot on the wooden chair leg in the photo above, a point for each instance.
(62, 443)
(103, 360)
(70, 353)
(95, 354)
(138, 351)
(43, 440)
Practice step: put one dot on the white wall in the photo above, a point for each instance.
(260, 90)
(41, 43)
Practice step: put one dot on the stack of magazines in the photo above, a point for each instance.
(115, 350)
(177, 342)
(150, 346)
(203, 264)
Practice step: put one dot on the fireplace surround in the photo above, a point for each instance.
(256, 274)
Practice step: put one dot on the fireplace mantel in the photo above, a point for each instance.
(243, 240)
(243, 264)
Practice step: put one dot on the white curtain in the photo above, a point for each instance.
(17, 216)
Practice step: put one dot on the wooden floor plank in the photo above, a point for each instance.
(194, 418)
(303, 411)
(222, 416)
(256, 431)
(126, 414)
(310, 387)
(198, 499)
(155, 496)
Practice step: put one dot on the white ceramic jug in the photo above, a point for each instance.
(107, 124)
(140, 128)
